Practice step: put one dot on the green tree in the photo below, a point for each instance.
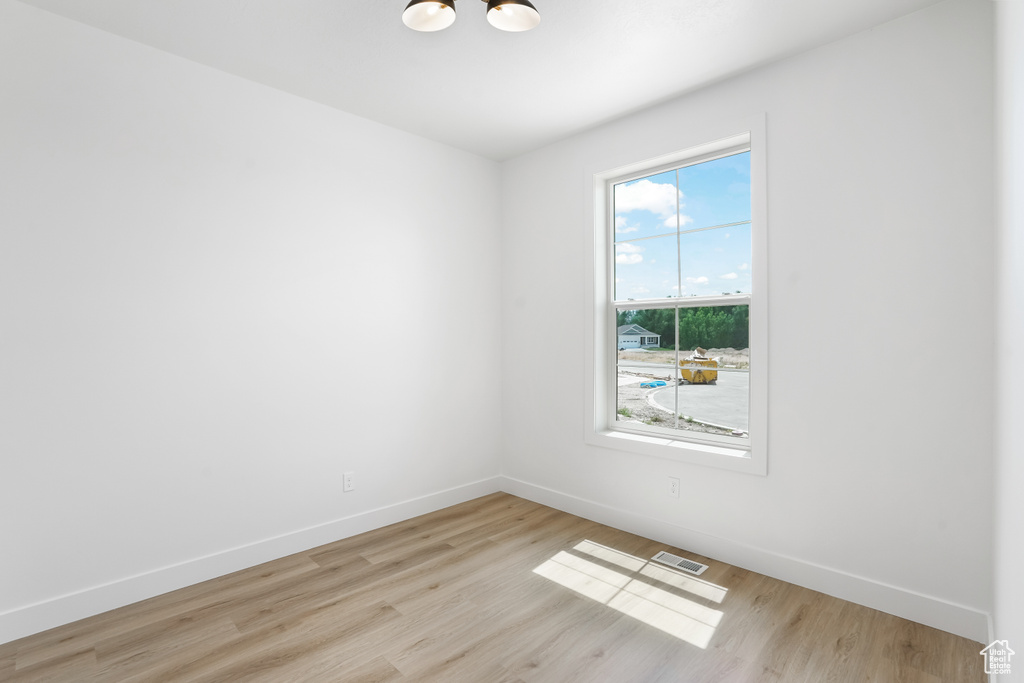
(711, 327)
(714, 327)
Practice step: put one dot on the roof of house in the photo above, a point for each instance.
(636, 329)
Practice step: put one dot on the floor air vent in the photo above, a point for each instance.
(680, 563)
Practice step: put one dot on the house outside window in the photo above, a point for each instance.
(680, 287)
(634, 336)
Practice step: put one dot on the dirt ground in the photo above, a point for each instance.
(728, 357)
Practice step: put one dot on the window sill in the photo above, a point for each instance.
(707, 455)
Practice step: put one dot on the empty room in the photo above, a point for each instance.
(512, 341)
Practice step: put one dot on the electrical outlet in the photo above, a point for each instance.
(346, 481)
(673, 487)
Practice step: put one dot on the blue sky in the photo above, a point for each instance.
(712, 261)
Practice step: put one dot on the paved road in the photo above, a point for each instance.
(725, 403)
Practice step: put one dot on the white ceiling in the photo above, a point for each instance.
(472, 86)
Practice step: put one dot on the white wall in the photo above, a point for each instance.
(183, 258)
(1009, 481)
(881, 237)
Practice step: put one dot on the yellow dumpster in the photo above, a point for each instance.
(693, 369)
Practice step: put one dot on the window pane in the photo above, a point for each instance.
(645, 367)
(716, 262)
(715, 192)
(707, 391)
(714, 327)
(714, 361)
(646, 207)
(647, 269)
(712, 398)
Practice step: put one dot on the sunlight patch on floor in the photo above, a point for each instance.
(631, 591)
(703, 589)
(603, 552)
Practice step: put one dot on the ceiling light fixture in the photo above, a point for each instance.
(429, 15)
(507, 15)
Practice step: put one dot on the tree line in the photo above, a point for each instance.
(712, 327)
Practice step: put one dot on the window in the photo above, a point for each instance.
(680, 237)
(679, 333)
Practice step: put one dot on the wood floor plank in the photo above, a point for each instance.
(405, 535)
(7, 666)
(476, 523)
(331, 640)
(66, 668)
(212, 597)
(272, 650)
(471, 652)
(572, 644)
(377, 670)
(120, 656)
(496, 590)
(413, 592)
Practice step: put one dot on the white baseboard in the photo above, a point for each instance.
(25, 621)
(959, 619)
(923, 609)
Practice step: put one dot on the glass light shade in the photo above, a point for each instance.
(512, 15)
(429, 15)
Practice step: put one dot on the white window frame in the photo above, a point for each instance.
(600, 428)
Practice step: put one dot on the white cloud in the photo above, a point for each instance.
(697, 280)
(628, 254)
(621, 225)
(730, 276)
(743, 266)
(640, 290)
(643, 195)
(670, 221)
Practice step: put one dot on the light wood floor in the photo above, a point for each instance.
(499, 589)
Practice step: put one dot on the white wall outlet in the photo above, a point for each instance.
(346, 481)
(673, 487)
